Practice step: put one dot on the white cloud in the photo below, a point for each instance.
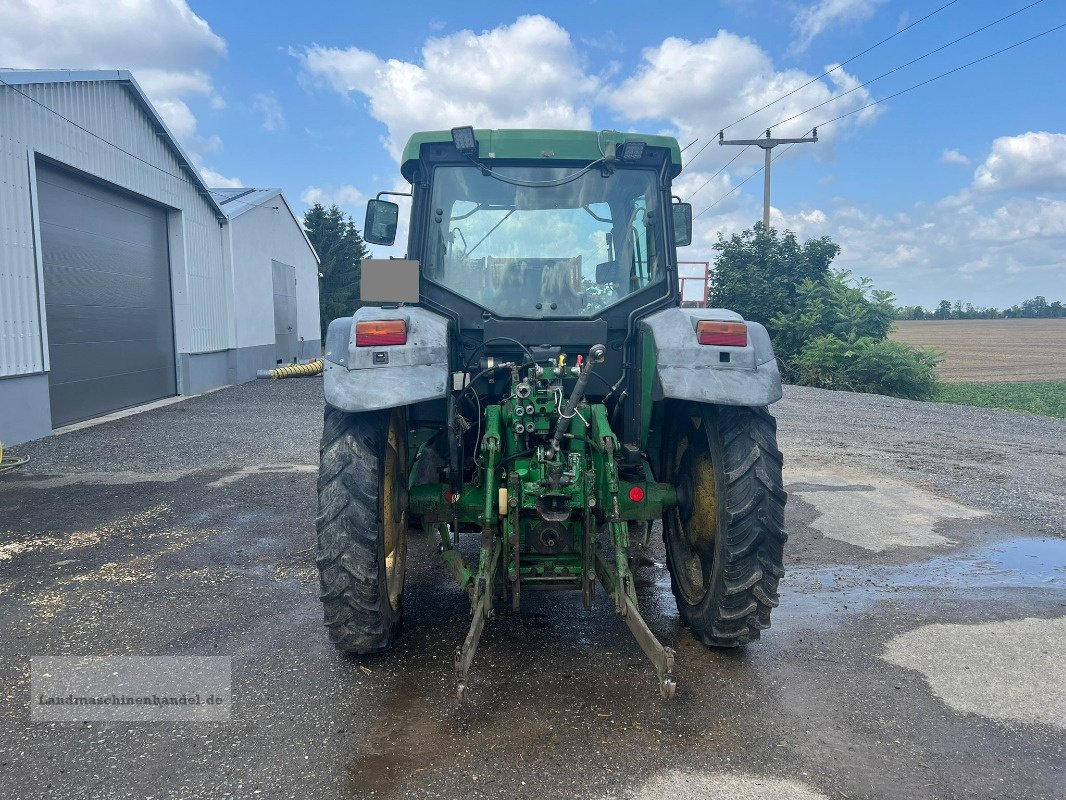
(178, 117)
(273, 115)
(702, 86)
(813, 20)
(166, 46)
(954, 157)
(1034, 161)
(969, 245)
(527, 74)
(346, 195)
(217, 180)
(987, 253)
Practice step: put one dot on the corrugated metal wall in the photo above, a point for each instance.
(108, 110)
(261, 235)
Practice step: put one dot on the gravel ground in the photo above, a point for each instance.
(926, 560)
(1011, 462)
(264, 422)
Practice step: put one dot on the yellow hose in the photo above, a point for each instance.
(293, 370)
(12, 461)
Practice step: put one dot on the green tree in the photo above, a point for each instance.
(828, 328)
(759, 274)
(1037, 307)
(340, 248)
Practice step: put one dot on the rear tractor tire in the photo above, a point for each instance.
(362, 527)
(725, 538)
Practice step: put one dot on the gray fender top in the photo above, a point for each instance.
(687, 370)
(386, 376)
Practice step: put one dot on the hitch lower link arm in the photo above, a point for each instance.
(661, 657)
(618, 581)
(488, 558)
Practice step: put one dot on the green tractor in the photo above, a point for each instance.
(527, 377)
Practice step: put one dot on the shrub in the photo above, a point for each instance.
(828, 329)
(758, 273)
(834, 304)
(862, 364)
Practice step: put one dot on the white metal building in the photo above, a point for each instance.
(118, 284)
(274, 266)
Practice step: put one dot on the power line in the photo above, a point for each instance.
(909, 63)
(842, 64)
(945, 74)
(719, 172)
(756, 172)
(767, 144)
(890, 97)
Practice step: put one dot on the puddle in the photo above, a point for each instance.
(1016, 563)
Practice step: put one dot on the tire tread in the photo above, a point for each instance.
(743, 589)
(356, 610)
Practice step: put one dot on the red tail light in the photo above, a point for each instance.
(636, 494)
(379, 332)
(723, 334)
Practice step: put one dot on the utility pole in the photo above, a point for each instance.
(767, 144)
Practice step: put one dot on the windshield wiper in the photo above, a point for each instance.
(481, 207)
(595, 216)
(487, 235)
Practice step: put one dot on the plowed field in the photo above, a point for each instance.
(992, 350)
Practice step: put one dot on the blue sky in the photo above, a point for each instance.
(956, 190)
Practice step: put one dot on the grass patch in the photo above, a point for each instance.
(1040, 397)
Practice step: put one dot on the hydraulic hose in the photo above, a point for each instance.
(597, 354)
(293, 370)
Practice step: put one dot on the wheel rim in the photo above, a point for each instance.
(692, 525)
(394, 511)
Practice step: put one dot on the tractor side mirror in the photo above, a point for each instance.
(381, 220)
(682, 224)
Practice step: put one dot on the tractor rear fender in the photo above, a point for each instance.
(386, 376)
(688, 370)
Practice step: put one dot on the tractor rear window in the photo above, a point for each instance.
(522, 247)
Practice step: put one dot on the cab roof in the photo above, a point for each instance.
(564, 145)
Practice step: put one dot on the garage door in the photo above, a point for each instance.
(107, 297)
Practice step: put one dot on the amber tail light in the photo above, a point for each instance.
(723, 334)
(380, 332)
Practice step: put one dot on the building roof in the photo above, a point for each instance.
(16, 78)
(236, 200)
(563, 145)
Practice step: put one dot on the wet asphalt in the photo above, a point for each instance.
(918, 652)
